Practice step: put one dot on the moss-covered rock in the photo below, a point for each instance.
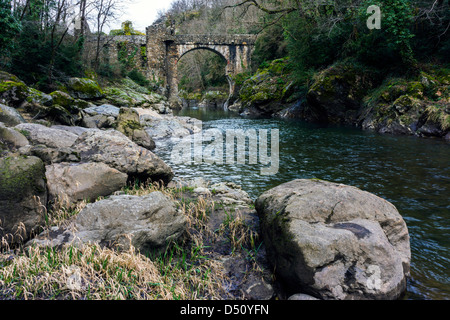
(13, 92)
(268, 88)
(64, 109)
(39, 97)
(62, 99)
(22, 193)
(417, 106)
(84, 88)
(5, 76)
(127, 93)
(337, 93)
(128, 123)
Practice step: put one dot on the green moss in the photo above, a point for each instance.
(62, 99)
(128, 93)
(415, 89)
(36, 96)
(130, 124)
(5, 76)
(13, 91)
(84, 88)
(19, 176)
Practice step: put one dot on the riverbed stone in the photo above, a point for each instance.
(105, 110)
(147, 223)
(334, 241)
(73, 182)
(51, 137)
(12, 138)
(128, 123)
(10, 116)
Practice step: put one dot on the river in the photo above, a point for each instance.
(412, 173)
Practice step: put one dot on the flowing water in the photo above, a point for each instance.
(412, 173)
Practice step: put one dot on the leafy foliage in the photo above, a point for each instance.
(9, 27)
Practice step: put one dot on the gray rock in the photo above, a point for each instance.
(105, 110)
(230, 193)
(53, 138)
(10, 116)
(98, 121)
(170, 126)
(72, 129)
(119, 152)
(148, 223)
(335, 241)
(87, 181)
(23, 194)
(12, 138)
(301, 296)
(447, 137)
(54, 155)
(152, 221)
(162, 108)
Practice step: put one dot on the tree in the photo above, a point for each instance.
(9, 27)
(106, 10)
(45, 52)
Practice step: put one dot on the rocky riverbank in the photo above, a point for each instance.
(351, 95)
(89, 211)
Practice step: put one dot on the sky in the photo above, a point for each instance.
(142, 13)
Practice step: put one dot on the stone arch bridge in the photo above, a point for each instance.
(164, 50)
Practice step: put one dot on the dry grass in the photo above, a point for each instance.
(436, 114)
(235, 228)
(183, 271)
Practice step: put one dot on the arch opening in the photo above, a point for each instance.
(203, 77)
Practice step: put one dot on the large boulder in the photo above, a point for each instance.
(337, 94)
(23, 192)
(268, 91)
(147, 222)
(151, 221)
(50, 137)
(119, 152)
(169, 126)
(334, 241)
(73, 182)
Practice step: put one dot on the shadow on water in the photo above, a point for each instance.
(412, 173)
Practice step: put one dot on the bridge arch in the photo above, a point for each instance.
(184, 50)
(164, 50)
